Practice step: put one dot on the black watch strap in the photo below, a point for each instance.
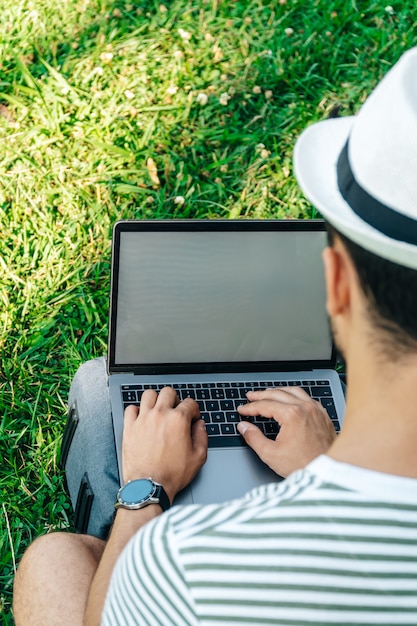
(162, 496)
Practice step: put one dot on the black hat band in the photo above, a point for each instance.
(383, 218)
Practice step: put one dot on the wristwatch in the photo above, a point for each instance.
(136, 494)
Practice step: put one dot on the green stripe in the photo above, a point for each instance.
(308, 570)
(334, 487)
(343, 519)
(243, 619)
(301, 551)
(334, 538)
(362, 504)
(362, 591)
(322, 606)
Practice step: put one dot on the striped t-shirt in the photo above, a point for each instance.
(332, 544)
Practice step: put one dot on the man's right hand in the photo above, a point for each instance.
(306, 431)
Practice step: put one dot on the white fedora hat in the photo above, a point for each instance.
(360, 172)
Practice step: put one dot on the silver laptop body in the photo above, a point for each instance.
(214, 308)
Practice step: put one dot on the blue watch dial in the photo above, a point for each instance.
(137, 491)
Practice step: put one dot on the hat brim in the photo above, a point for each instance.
(315, 158)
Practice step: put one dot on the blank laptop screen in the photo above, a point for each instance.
(221, 297)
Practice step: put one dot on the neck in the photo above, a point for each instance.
(380, 426)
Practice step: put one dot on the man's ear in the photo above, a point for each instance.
(337, 275)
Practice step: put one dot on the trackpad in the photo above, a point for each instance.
(227, 474)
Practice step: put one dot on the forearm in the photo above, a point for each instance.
(125, 526)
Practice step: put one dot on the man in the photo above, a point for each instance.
(335, 543)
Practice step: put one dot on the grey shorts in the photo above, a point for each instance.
(88, 452)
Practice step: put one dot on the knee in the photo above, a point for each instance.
(59, 547)
(41, 550)
(33, 569)
(49, 558)
(90, 384)
(54, 575)
(94, 369)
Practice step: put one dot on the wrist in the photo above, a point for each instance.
(138, 517)
(140, 493)
(127, 523)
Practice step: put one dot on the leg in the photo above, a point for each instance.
(53, 580)
(92, 452)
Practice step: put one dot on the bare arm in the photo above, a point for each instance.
(166, 441)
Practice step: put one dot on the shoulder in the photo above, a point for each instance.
(190, 520)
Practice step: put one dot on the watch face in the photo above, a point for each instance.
(137, 491)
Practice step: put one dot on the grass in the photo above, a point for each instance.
(112, 110)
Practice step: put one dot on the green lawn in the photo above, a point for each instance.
(114, 110)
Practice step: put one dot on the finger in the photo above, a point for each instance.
(131, 413)
(200, 439)
(278, 393)
(266, 408)
(167, 398)
(189, 408)
(148, 400)
(265, 448)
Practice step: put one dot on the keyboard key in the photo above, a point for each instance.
(218, 416)
(317, 392)
(228, 429)
(271, 428)
(232, 416)
(127, 387)
(129, 396)
(212, 429)
(328, 404)
(227, 405)
(188, 393)
(247, 418)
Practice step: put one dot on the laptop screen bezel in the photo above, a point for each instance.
(284, 225)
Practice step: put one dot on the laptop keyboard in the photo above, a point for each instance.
(218, 404)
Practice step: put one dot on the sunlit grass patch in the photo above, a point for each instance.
(114, 110)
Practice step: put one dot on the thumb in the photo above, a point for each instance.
(256, 440)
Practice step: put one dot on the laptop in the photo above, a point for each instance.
(215, 308)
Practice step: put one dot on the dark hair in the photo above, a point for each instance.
(391, 293)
